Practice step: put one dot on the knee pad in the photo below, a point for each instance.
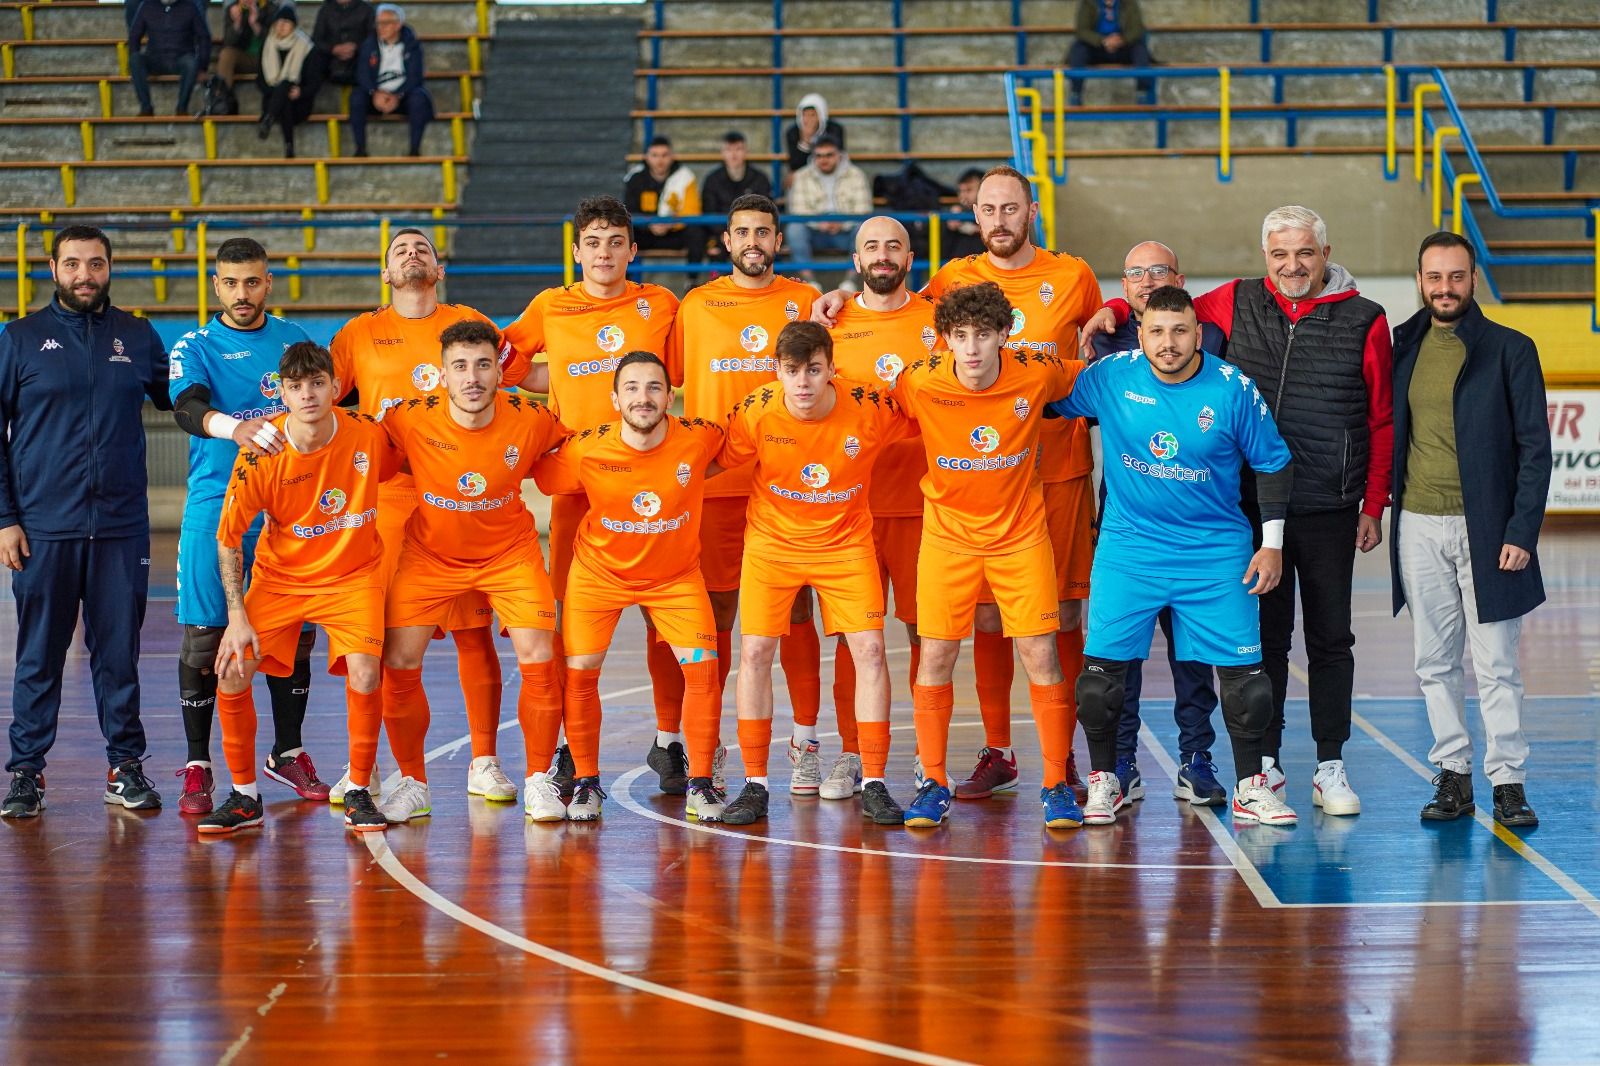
(1100, 690)
(198, 651)
(1246, 699)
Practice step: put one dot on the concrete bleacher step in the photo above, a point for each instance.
(98, 58)
(67, 20)
(170, 138)
(78, 98)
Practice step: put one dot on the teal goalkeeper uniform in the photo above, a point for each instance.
(1173, 534)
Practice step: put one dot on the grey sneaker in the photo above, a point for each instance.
(807, 763)
(748, 807)
(706, 801)
(844, 780)
(410, 799)
(586, 797)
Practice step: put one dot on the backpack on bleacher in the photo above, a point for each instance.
(220, 99)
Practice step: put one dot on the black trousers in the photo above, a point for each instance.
(1132, 54)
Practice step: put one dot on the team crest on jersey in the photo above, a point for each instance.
(1021, 408)
(929, 337)
(363, 464)
(791, 311)
(852, 447)
(647, 504)
(116, 345)
(814, 475)
(753, 339)
(332, 501)
(643, 307)
(684, 474)
(271, 385)
(609, 339)
(511, 457)
(985, 439)
(888, 367)
(471, 484)
(425, 377)
(1019, 321)
(1207, 419)
(1163, 445)
(1047, 292)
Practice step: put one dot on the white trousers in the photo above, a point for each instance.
(1436, 574)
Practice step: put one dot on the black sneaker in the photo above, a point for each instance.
(127, 785)
(1511, 807)
(749, 806)
(564, 773)
(238, 812)
(26, 798)
(877, 804)
(1452, 797)
(360, 813)
(671, 765)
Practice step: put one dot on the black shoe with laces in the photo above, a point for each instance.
(127, 785)
(1452, 797)
(1511, 807)
(877, 804)
(564, 773)
(748, 807)
(361, 814)
(238, 812)
(26, 798)
(671, 766)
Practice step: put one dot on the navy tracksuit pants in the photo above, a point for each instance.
(1196, 699)
(110, 580)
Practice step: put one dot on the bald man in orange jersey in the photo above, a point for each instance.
(389, 356)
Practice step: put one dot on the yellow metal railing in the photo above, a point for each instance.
(86, 132)
(1389, 100)
(1225, 124)
(383, 261)
(1594, 314)
(567, 266)
(1040, 169)
(201, 313)
(22, 269)
(1417, 140)
(1462, 180)
(159, 282)
(1438, 170)
(935, 243)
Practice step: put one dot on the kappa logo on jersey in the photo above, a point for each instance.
(1227, 371)
(791, 311)
(332, 501)
(610, 338)
(684, 474)
(814, 476)
(1021, 408)
(647, 504)
(852, 447)
(1163, 445)
(929, 337)
(271, 385)
(643, 307)
(116, 345)
(425, 377)
(1047, 292)
(753, 339)
(363, 464)
(985, 439)
(230, 356)
(888, 367)
(1019, 321)
(471, 484)
(511, 457)
(1207, 419)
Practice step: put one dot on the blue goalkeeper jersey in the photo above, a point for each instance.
(1173, 455)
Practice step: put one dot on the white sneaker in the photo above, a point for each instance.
(807, 763)
(705, 804)
(1254, 801)
(586, 797)
(719, 769)
(1331, 790)
(916, 772)
(336, 794)
(844, 780)
(486, 779)
(542, 799)
(1276, 778)
(1105, 796)
(409, 800)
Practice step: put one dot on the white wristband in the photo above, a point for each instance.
(1272, 534)
(221, 426)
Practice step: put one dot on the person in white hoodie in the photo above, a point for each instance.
(286, 98)
(810, 122)
(829, 185)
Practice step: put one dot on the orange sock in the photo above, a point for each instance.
(1069, 646)
(875, 748)
(801, 655)
(702, 714)
(932, 707)
(582, 722)
(666, 682)
(916, 664)
(844, 697)
(237, 714)
(558, 658)
(1055, 736)
(363, 713)
(724, 661)
(479, 665)
(405, 717)
(995, 666)
(755, 741)
(539, 712)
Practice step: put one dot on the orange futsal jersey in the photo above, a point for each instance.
(722, 348)
(876, 346)
(983, 491)
(643, 525)
(583, 338)
(469, 481)
(1051, 298)
(812, 478)
(322, 508)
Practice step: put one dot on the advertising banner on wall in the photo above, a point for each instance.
(1575, 450)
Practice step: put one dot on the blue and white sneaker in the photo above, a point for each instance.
(1128, 777)
(1061, 810)
(930, 807)
(1197, 781)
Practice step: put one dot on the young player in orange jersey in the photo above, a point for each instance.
(319, 560)
(815, 440)
(639, 543)
(721, 349)
(389, 356)
(979, 407)
(582, 330)
(470, 532)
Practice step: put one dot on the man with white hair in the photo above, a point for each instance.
(389, 79)
(1322, 357)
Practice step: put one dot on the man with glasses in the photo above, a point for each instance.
(828, 185)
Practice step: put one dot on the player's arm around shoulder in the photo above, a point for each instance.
(559, 470)
(741, 433)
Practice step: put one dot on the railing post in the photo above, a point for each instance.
(22, 269)
(935, 243)
(1438, 170)
(105, 98)
(1060, 79)
(440, 236)
(194, 184)
(458, 136)
(122, 58)
(320, 168)
(1462, 180)
(86, 133)
(159, 282)
(1390, 167)
(568, 274)
(1594, 312)
(200, 271)
(333, 138)
(383, 261)
(1225, 131)
(293, 263)
(209, 129)
(69, 185)
(27, 23)
(309, 232)
(8, 61)
(447, 178)
(179, 237)
(1416, 123)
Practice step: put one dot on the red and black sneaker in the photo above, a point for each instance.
(237, 812)
(298, 774)
(995, 772)
(195, 795)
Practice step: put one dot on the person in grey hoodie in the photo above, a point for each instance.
(810, 122)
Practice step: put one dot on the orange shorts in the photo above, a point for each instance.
(679, 611)
(722, 542)
(566, 514)
(425, 588)
(352, 617)
(1069, 514)
(850, 592)
(897, 541)
(949, 586)
(394, 508)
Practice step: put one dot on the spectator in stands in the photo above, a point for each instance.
(663, 187)
(961, 238)
(829, 185)
(1110, 32)
(810, 122)
(167, 37)
(341, 27)
(389, 79)
(285, 64)
(733, 179)
(130, 8)
(245, 25)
